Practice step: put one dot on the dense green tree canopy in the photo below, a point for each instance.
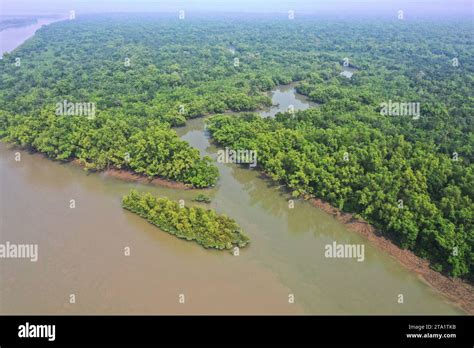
(204, 226)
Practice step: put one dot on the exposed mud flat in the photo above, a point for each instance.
(129, 176)
(134, 177)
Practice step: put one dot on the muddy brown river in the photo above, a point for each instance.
(81, 250)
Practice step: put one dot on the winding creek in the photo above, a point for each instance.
(81, 250)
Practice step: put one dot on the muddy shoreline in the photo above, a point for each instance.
(130, 176)
(457, 291)
(122, 174)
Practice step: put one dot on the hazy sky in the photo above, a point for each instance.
(358, 7)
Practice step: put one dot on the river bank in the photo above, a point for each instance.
(121, 174)
(130, 176)
(457, 291)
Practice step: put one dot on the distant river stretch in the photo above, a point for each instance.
(11, 38)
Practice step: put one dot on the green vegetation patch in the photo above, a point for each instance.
(204, 226)
(202, 198)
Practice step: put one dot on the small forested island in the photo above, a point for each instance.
(204, 226)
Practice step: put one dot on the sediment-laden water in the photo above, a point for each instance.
(81, 250)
